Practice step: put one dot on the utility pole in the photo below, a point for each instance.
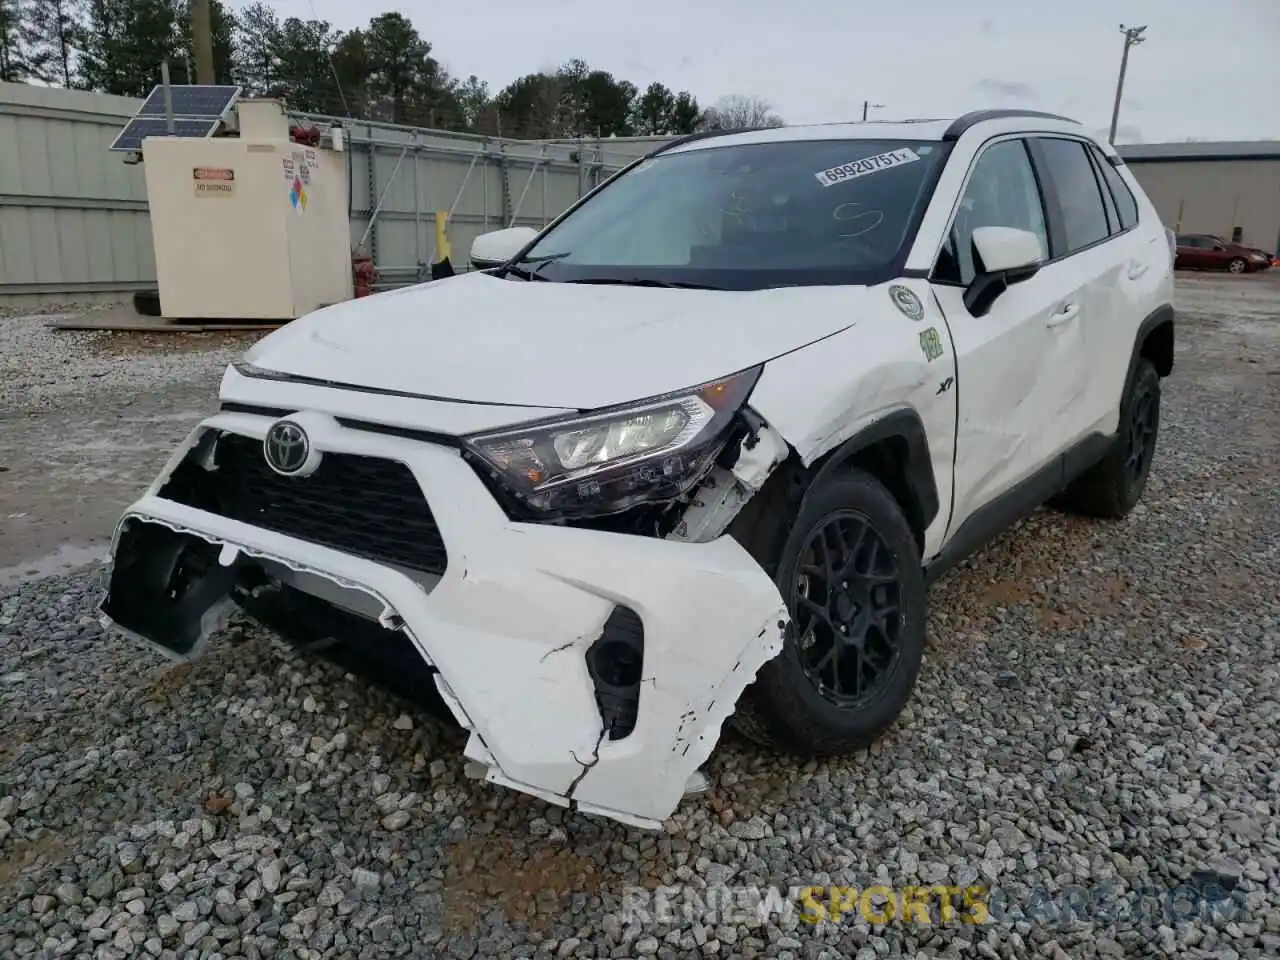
(868, 105)
(202, 40)
(1132, 37)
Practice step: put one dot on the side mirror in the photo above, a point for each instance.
(1004, 256)
(1219, 247)
(496, 247)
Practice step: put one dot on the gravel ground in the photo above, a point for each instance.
(1098, 717)
(85, 421)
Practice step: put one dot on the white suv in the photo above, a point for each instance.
(692, 451)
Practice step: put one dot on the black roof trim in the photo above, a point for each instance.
(692, 137)
(1137, 161)
(961, 124)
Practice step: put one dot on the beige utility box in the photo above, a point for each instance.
(253, 227)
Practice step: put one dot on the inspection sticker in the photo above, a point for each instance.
(860, 168)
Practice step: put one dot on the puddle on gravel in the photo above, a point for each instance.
(66, 558)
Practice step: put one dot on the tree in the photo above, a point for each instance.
(13, 60)
(653, 110)
(659, 112)
(403, 76)
(685, 115)
(530, 106)
(474, 104)
(349, 67)
(257, 43)
(737, 112)
(305, 78)
(124, 43)
(605, 105)
(51, 30)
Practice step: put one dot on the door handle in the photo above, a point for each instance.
(1066, 313)
(1136, 270)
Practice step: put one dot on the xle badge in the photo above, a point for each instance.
(931, 344)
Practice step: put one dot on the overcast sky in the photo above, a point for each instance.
(1208, 70)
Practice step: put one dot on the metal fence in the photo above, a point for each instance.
(400, 177)
(73, 218)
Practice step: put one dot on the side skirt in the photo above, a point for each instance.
(987, 523)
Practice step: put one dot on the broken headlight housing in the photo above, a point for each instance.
(609, 460)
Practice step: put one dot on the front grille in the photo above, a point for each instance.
(365, 506)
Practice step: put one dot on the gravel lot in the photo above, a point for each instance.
(1099, 713)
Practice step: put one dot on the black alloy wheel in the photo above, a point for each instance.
(847, 609)
(1140, 441)
(847, 564)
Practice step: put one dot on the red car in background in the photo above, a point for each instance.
(1203, 251)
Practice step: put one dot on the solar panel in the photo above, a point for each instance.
(131, 137)
(191, 100)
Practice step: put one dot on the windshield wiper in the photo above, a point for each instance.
(648, 282)
(531, 273)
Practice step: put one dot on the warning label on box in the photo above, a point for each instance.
(214, 181)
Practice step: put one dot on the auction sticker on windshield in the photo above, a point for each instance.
(860, 168)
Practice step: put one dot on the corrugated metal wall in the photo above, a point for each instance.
(401, 176)
(73, 217)
(1215, 196)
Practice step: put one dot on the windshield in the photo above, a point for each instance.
(748, 216)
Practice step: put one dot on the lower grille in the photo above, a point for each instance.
(365, 506)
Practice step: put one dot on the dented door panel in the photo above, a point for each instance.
(886, 361)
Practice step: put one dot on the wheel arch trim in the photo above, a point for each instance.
(902, 424)
(1163, 314)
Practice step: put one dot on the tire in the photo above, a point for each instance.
(1113, 486)
(784, 708)
(1237, 265)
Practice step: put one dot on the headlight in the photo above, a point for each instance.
(607, 461)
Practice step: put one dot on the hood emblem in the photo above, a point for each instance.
(906, 301)
(287, 449)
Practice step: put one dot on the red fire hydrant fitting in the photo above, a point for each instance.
(363, 273)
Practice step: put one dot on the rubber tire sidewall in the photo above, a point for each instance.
(1244, 266)
(1104, 490)
(1145, 380)
(796, 716)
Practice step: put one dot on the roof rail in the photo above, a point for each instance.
(691, 137)
(973, 118)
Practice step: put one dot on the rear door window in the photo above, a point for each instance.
(1084, 217)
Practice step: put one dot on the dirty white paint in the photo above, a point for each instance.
(509, 623)
(533, 598)
(553, 345)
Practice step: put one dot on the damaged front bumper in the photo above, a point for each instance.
(591, 669)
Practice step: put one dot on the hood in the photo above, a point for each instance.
(483, 339)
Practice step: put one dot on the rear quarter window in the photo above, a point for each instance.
(1125, 203)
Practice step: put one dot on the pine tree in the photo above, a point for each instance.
(13, 53)
(52, 30)
(124, 43)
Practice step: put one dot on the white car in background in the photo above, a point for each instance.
(691, 452)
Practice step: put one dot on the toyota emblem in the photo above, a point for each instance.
(286, 447)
